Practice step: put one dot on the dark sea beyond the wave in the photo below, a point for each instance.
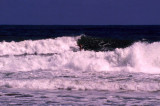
(43, 65)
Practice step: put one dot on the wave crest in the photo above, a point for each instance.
(58, 54)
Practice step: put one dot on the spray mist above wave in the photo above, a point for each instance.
(139, 57)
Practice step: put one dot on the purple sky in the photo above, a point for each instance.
(80, 12)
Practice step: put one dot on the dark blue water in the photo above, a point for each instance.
(20, 32)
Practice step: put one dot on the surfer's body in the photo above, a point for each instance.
(80, 47)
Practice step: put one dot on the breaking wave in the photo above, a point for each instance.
(59, 64)
(63, 53)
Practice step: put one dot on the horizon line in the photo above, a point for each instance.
(76, 25)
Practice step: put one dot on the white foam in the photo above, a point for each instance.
(56, 45)
(80, 84)
(84, 69)
(140, 57)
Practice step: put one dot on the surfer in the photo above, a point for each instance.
(80, 47)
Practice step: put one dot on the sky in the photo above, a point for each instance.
(79, 12)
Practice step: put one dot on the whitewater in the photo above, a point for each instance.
(57, 67)
(62, 56)
(63, 53)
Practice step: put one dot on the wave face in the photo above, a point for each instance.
(103, 44)
(59, 64)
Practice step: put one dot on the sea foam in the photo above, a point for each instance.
(59, 64)
(139, 57)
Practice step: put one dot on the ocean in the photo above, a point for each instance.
(44, 66)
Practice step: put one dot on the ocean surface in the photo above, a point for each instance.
(43, 65)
